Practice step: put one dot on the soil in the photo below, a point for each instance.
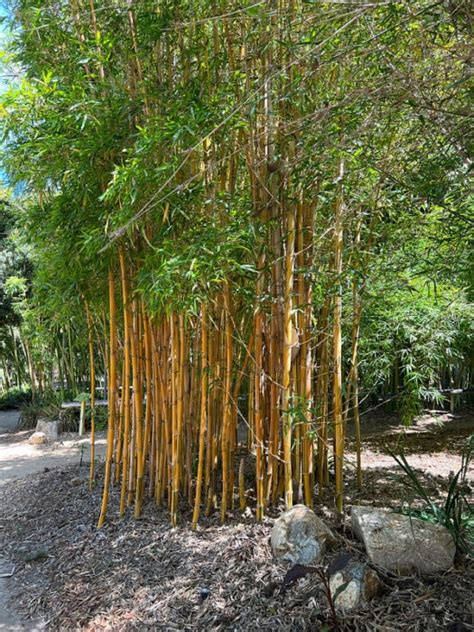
(142, 575)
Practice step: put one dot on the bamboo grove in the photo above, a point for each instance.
(211, 186)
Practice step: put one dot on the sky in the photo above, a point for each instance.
(3, 79)
(3, 26)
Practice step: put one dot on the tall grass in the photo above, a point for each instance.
(456, 513)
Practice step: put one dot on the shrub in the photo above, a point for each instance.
(14, 398)
(46, 404)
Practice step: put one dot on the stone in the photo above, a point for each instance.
(38, 438)
(300, 537)
(49, 428)
(402, 544)
(354, 585)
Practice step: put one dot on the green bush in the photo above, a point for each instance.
(422, 340)
(14, 398)
(46, 404)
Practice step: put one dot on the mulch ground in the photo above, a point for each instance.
(143, 575)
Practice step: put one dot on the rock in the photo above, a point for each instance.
(75, 482)
(354, 585)
(38, 438)
(403, 544)
(50, 428)
(300, 537)
(203, 594)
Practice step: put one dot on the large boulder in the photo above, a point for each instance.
(49, 428)
(403, 544)
(300, 537)
(354, 585)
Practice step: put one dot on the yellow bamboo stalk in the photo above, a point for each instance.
(242, 499)
(226, 430)
(337, 346)
(258, 409)
(178, 376)
(126, 380)
(203, 415)
(287, 345)
(111, 399)
(148, 407)
(305, 369)
(138, 406)
(322, 395)
(90, 339)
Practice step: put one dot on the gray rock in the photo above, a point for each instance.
(50, 428)
(403, 544)
(300, 537)
(38, 438)
(354, 585)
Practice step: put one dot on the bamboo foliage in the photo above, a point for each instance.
(208, 240)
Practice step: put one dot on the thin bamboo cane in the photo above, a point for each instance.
(112, 398)
(226, 439)
(149, 400)
(287, 344)
(337, 346)
(203, 414)
(138, 406)
(90, 339)
(126, 380)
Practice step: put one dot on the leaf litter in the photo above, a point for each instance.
(137, 575)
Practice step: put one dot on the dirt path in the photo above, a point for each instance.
(9, 420)
(18, 459)
(433, 444)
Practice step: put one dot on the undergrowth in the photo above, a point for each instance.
(456, 513)
(14, 397)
